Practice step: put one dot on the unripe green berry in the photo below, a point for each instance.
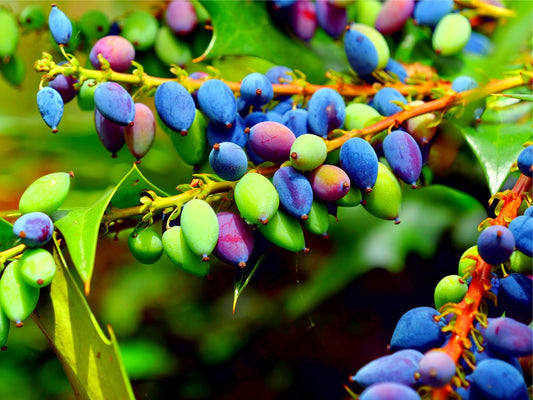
(146, 246)
(450, 289)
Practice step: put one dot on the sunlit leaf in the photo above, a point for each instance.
(7, 237)
(91, 360)
(80, 226)
(496, 147)
(526, 97)
(250, 32)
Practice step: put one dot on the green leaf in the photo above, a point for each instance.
(242, 278)
(80, 226)
(497, 148)
(91, 360)
(250, 32)
(7, 237)
(526, 97)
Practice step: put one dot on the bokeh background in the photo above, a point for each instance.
(304, 324)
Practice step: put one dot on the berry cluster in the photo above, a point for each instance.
(427, 343)
(285, 155)
(22, 278)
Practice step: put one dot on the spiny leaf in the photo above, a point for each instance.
(80, 226)
(257, 36)
(91, 360)
(7, 237)
(526, 97)
(496, 147)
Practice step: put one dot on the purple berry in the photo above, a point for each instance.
(496, 244)
(118, 51)
(34, 229)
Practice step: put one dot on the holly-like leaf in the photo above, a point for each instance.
(7, 237)
(250, 32)
(80, 226)
(496, 147)
(526, 97)
(91, 360)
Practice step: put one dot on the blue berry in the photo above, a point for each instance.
(496, 244)
(389, 391)
(50, 106)
(525, 161)
(34, 229)
(326, 111)
(60, 25)
(436, 368)
(256, 89)
(417, 329)
(522, 229)
(509, 337)
(359, 160)
(403, 155)
(175, 106)
(495, 379)
(295, 192)
(114, 103)
(216, 133)
(217, 101)
(228, 161)
(430, 12)
(515, 297)
(382, 101)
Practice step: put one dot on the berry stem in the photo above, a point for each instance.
(444, 103)
(486, 9)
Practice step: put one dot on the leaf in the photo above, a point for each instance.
(250, 32)
(80, 226)
(242, 278)
(526, 97)
(91, 360)
(497, 148)
(7, 237)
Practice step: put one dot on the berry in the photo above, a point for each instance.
(34, 229)
(146, 246)
(497, 380)
(271, 141)
(436, 368)
(217, 101)
(495, 244)
(59, 25)
(418, 330)
(295, 192)
(308, 152)
(365, 48)
(451, 34)
(37, 267)
(326, 111)
(359, 160)
(228, 161)
(235, 239)
(525, 161)
(403, 155)
(256, 197)
(46, 194)
(50, 106)
(114, 103)
(118, 51)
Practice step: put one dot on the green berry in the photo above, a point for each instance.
(450, 289)
(146, 246)
(37, 267)
(46, 194)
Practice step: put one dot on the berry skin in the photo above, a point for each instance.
(114, 103)
(181, 17)
(256, 89)
(451, 34)
(235, 239)
(416, 329)
(176, 248)
(17, 299)
(522, 229)
(496, 244)
(525, 161)
(326, 111)
(393, 15)
(199, 226)
(46, 194)
(295, 192)
(360, 162)
(59, 25)
(450, 289)
(37, 267)
(256, 197)
(146, 246)
(141, 135)
(436, 368)
(271, 141)
(403, 155)
(110, 134)
(382, 101)
(175, 106)
(308, 152)
(118, 51)
(329, 182)
(389, 391)
(50, 106)
(34, 229)
(495, 379)
(217, 101)
(366, 49)
(228, 161)
(509, 337)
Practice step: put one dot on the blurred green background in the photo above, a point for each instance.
(305, 323)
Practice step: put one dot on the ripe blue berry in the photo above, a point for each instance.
(228, 161)
(525, 161)
(114, 103)
(175, 106)
(50, 106)
(60, 26)
(34, 229)
(496, 244)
